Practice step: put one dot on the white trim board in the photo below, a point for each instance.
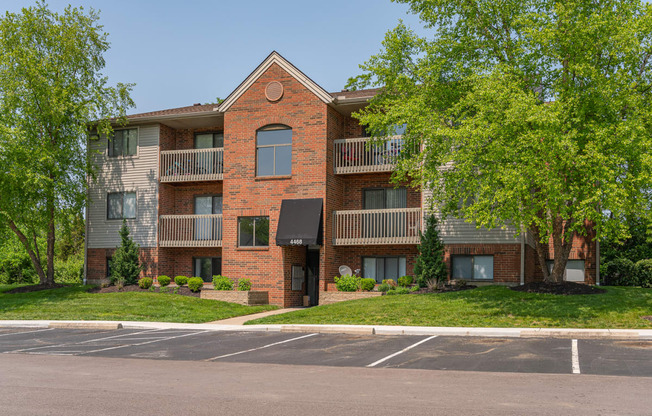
(275, 58)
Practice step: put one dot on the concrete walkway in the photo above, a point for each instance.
(240, 320)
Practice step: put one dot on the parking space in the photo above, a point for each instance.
(625, 357)
(523, 355)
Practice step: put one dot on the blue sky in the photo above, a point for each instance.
(183, 52)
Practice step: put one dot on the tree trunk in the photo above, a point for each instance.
(49, 279)
(561, 246)
(36, 261)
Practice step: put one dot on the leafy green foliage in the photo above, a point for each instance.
(163, 280)
(532, 114)
(405, 281)
(181, 280)
(367, 284)
(195, 284)
(126, 262)
(347, 283)
(244, 285)
(620, 272)
(429, 265)
(637, 245)
(51, 89)
(384, 287)
(222, 283)
(145, 282)
(398, 291)
(644, 272)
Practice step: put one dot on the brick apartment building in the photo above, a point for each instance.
(276, 185)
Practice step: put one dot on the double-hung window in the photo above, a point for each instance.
(124, 143)
(473, 267)
(253, 231)
(274, 151)
(381, 268)
(121, 205)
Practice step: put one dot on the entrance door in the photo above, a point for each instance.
(312, 276)
(208, 228)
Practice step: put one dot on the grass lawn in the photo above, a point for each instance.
(74, 303)
(490, 306)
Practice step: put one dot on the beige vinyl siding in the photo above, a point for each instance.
(119, 174)
(458, 231)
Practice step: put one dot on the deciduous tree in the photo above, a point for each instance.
(51, 90)
(527, 113)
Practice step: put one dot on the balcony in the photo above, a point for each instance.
(192, 165)
(190, 230)
(355, 156)
(377, 226)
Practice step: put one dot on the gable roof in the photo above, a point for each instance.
(275, 58)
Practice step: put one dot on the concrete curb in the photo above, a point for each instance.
(630, 334)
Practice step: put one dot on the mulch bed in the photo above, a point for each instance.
(649, 317)
(563, 288)
(446, 288)
(183, 291)
(34, 288)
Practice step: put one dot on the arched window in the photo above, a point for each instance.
(274, 151)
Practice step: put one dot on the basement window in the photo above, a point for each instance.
(473, 267)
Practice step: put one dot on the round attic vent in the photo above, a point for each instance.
(274, 91)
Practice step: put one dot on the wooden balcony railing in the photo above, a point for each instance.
(190, 230)
(355, 156)
(192, 165)
(377, 226)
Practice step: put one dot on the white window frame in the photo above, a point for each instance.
(122, 205)
(123, 155)
(253, 232)
(274, 146)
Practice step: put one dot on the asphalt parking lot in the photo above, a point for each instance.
(519, 355)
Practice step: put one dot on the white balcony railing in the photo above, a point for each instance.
(192, 165)
(190, 230)
(377, 226)
(355, 156)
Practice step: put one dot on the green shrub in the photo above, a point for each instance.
(70, 270)
(347, 283)
(384, 287)
(164, 280)
(367, 284)
(222, 283)
(181, 280)
(620, 272)
(401, 291)
(125, 262)
(164, 289)
(390, 282)
(195, 284)
(429, 264)
(405, 281)
(644, 272)
(145, 282)
(244, 285)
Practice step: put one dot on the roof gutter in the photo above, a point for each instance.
(202, 114)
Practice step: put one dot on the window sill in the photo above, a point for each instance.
(252, 248)
(271, 178)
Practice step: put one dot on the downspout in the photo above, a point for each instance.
(597, 262)
(522, 258)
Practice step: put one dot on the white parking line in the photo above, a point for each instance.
(575, 358)
(143, 343)
(78, 343)
(382, 360)
(119, 336)
(26, 332)
(260, 348)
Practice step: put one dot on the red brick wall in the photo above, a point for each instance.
(246, 195)
(96, 272)
(179, 199)
(177, 261)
